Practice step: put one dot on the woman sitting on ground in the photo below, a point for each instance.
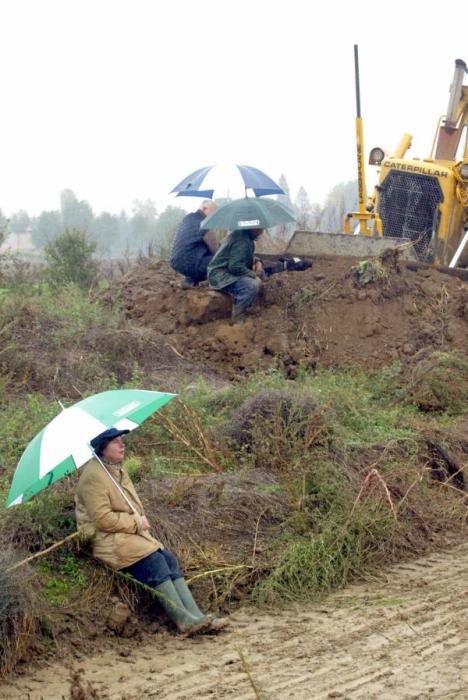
(109, 509)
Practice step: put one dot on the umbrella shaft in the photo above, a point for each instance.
(117, 485)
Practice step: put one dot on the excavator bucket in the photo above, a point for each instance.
(310, 244)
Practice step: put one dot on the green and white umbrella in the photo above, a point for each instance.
(63, 446)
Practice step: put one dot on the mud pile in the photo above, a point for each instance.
(339, 313)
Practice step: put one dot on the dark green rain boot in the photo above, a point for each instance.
(237, 313)
(216, 623)
(186, 622)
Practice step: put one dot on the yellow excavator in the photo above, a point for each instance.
(419, 205)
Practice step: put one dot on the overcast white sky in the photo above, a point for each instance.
(120, 99)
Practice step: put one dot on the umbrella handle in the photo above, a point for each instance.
(118, 487)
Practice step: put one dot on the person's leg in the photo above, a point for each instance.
(154, 571)
(185, 594)
(171, 564)
(180, 266)
(200, 273)
(180, 585)
(151, 570)
(196, 271)
(244, 290)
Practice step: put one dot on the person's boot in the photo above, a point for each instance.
(216, 623)
(188, 283)
(237, 313)
(173, 605)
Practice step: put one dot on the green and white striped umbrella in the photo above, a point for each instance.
(63, 445)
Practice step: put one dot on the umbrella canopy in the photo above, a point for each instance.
(253, 178)
(63, 446)
(248, 213)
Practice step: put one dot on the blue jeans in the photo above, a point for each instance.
(244, 290)
(154, 569)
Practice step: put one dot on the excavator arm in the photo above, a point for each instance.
(454, 127)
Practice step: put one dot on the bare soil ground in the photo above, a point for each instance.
(325, 315)
(330, 316)
(402, 636)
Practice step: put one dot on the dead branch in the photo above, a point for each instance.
(44, 551)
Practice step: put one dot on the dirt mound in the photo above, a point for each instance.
(66, 345)
(339, 313)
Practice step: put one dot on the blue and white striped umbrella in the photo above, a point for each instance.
(195, 184)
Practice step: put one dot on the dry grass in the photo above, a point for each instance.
(185, 432)
(439, 382)
(65, 345)
(270, 414)
(220, 527)
(20, 609)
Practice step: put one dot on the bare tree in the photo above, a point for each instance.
(303, 209)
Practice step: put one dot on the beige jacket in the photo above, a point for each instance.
(103, 513)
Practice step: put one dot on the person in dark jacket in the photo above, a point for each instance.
(234, 269)
(193, 246)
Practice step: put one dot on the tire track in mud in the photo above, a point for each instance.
(401, 637)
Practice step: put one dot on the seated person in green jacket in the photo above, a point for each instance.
(233, 269)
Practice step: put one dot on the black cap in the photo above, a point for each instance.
(99, 442)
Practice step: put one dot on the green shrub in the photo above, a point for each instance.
(62, 577)
(69, 258)
(66, 344)
(20, 422)
(337, 551)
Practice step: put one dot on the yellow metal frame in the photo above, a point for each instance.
(363, 215)
(361, 178)
(363, 218)
(462, 184)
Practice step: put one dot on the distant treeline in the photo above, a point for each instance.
(115, 234)
(311, 216)
(119, 234)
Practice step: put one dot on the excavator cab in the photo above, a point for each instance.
(425, 201)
